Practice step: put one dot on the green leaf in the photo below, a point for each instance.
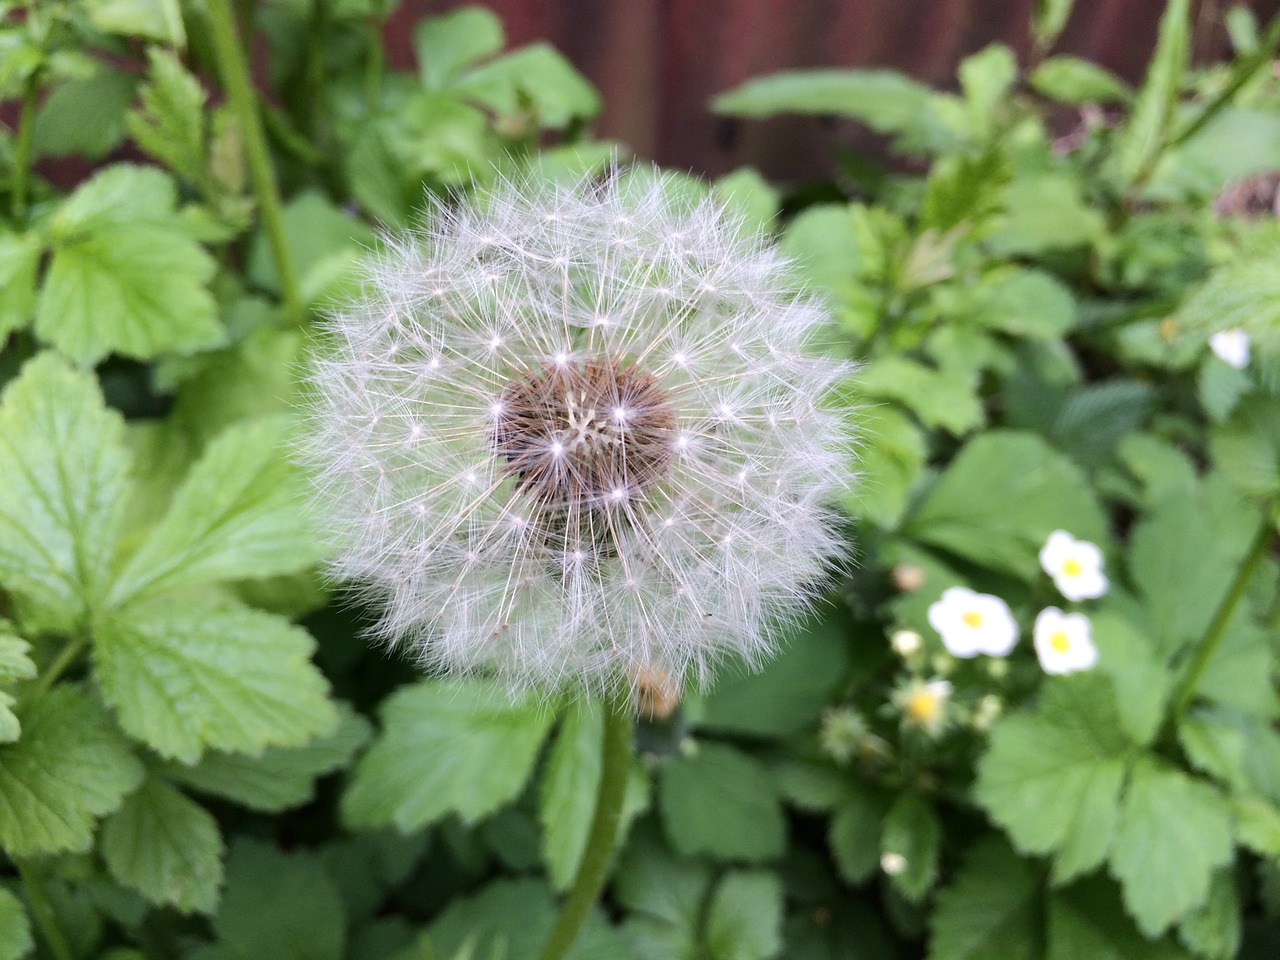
(791, 692)
(63, 482)
(15, 928)
(855, 832)
(1239, 673)
(1214, 747)
(963, 188)
(1213, 930)
(535, 77)
(721, 802)
(891, 457)
(744, 920)
(747, 194)
(652, 881)
(1145, 133)
(184, 675)
(279, 907)
(1242, 294)
(1071, 80)
(1219, 386)
(237, 515)
(447, 44)
(1048, 19)
(436, 755)
(125, 276)
(1247, 447)
(986, 78)
(280, 777)
(159, 20)
(1174, 832)
(1052, 776)
(568, 793)
(1141, 681)
(166, 847)
(1087, 920)
(946, 398)
(15, 664)
(19, 260)
(1027, 303)
(1044, 212)
(1257, 825)
(991, 911)
(169, 125)
(327, 246)
(84, 117)
(71, 767)
(912, 830)
(999, 500)
(1094, 419)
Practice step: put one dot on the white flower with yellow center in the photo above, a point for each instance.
(971, 623)
(1231, 346)
(1075, 565)
(575, 435)
(924, 704)
(1063, 641)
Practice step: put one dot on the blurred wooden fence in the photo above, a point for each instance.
(657, 62)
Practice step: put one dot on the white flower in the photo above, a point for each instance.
(906, 643)
(923, 704)
(893, 863)
(1232, 346)
(972, 623)
(1063, 641)
(575, 433)
(1075, 565)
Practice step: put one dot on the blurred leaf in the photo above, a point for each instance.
(327, 245)
(159, 20)
(990, 910)
(1093, 420)
(435, 755)
(1214, 747)
(1239, 673)
(447, 44)
(946, 397)
(1071, 80)
(855, 832)
(744, 920)
(1213, 929)
(237, 515)
(165, 846)
(279, 777)
(986, 78)
(1242, 294)
(889, 462)
(169, 125)
(1087, 921)
(912, 830)
(1048, 18)
(15, 928)
(1044, 212)
(744, 192)
(1144, 134)
(964, 188)
(1027, 303)
(84, 117)
(1001, 497)
(1174, 832)
(70, 767)
(536, 77)
(125, 277)
(1247, 447)
(185, 674)
(63, 483)
(1219, 386)
(1052, 775)
(19, 260)
(721, 802)
(1141, 681)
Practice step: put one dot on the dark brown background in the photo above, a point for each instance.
(657, 62)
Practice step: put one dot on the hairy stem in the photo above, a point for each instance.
(1217, 628)
(22, 148)
(234, 68)
(45, 918)
(614, 770)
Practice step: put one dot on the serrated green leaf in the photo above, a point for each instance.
(279, 777)
(159, 20)
(721, 802)
(166, 847)
(15, 928)
(70, 767)
(15, 665)
(999, 500)
(963, 188)
(279, 907)
(125, 276)
(1027, 303)
(237, 515)
(1239, 672)
(1095, 418)
(1213, 929)
(446, 45)
(1052, 776)
(1071, 80)
(1219, 386)
(63, 482)
(1087, 920)
(1257, 825)
(1214, 747)
(19, 259)
(85, 117)
(744, 920)
(945, 397)
(186, 675)
(792, 690)
(991, 910)
(1044, 212)
(651, 880)
(436, 755)
(1247, 447)
(535, 77)
(1174, 832)
(912, 831)
(1152, 113)
(985, 79)
(169, 125)
(1243, 294)
(855, 833)
(891, 457)
(1141, 681)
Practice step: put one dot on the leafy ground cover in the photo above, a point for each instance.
(1037, 718)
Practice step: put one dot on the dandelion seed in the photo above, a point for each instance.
(1075, 566)
(1064, 641)
(580, 506)
(972, 623)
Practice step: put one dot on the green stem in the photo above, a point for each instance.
(240, 94)
(56, 668)
(46, 919)
(1244, 71)
(22, 147)
(373, 66)
(1217, 628)
(614, 771)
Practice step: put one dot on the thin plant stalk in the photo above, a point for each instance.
(44, 915)
(22, 147)
(1217, 628)
(614, 771)
(234, 67)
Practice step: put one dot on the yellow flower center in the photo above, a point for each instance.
(972, 618)
(1071, 567)
(922, 707)
(1059, 641)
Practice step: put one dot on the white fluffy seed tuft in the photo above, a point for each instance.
(573, 435)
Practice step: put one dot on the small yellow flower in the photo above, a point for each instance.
(1075, 565)
(1063, 641)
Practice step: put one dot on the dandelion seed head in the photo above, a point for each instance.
(621, 446)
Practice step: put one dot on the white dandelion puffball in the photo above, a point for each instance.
(1075, 566)
(1231, 346)
(1063, 641)
(575, 434)
(972, 623)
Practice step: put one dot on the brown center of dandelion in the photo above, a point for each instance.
(593, 434)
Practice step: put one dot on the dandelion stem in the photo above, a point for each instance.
(44, 915)
(614, 770)
(1217, 628)
(239, 89)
